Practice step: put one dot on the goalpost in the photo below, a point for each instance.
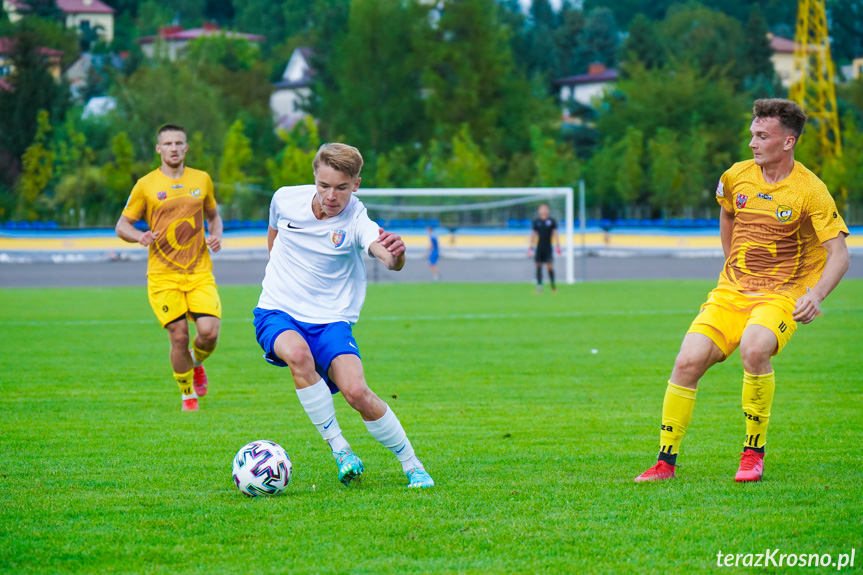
(513, 197)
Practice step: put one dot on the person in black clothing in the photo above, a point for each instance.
(544, 231)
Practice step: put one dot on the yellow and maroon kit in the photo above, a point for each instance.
(776, 252)
(179, 270)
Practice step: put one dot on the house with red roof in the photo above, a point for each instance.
(782, 58)
(79, 14)
(171, 41)
(7, 48)
(585, 88)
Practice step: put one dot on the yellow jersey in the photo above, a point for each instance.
(778, 229)
(175, 209)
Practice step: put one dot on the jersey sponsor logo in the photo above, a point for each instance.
(293, 227)
(741, 201)
(338, 238)
(765, 196)
(196, 193)
(784, 213)
(175, 186)
(720, 190)
(162, 195)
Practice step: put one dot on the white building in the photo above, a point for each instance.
(294, 87)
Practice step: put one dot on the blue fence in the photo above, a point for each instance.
(420, 223)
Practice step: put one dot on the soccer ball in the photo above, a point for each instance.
(262, 468)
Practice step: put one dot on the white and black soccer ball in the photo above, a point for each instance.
(262, 468)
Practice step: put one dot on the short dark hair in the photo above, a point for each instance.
(170, 128)
(790, 115)
(340, 157)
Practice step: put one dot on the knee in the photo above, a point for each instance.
(210, 334)
(356, 393)
(298, 358)
(689, 363)
(180, 340)
(755, 359)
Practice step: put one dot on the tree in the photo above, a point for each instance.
(600, 37)
(467, 167)
(625, 10)
(555, 164)
(165, 93)
(704, 39)
(675, 111)
(38, 168)
(118, 172)
(643, 43)
(236, 154)
(471, 79)
(846, 28)
(567, 38)
(33, 89)
(541, 51)
(756, 65)
(293, 165)
(371, 91)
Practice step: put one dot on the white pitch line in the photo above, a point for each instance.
(392, 318)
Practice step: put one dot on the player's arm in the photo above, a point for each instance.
(726, 226)
(271, 239)
(127, 231)
(809, 304)
(389, 249)
(216, 227)
(556, 239)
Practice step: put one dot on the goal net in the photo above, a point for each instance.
(499, 218)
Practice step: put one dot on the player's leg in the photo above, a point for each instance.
(697, 354)
(710, 338)
(169, 305)
(550, 267)
(317, 400)
(181, 361)
(205, 306)
(380, 420)
(538, 274)
(769, 329)
(207, 328)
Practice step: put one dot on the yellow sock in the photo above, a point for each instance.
(184, 380)
(757, 399)
(676, 414)
(199, 354)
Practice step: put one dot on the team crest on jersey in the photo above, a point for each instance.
(741, 201)
(162, 195)
(720, 189)
(338, 238)
(196, 193)
(783, 213)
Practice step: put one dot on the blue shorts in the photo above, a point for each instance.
(326, 341)
(433, 257)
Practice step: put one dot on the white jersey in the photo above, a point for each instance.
(316, 272)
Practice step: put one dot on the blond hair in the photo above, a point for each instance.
(340, 157)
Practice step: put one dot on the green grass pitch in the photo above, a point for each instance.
(533, 440)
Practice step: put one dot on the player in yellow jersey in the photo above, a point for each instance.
(784, 243)
(175, 201)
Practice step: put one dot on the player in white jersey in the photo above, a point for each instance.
(313, 291)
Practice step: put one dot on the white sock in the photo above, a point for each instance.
(192, 396)
(318, 403)
(390, 433)
(195, 362)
